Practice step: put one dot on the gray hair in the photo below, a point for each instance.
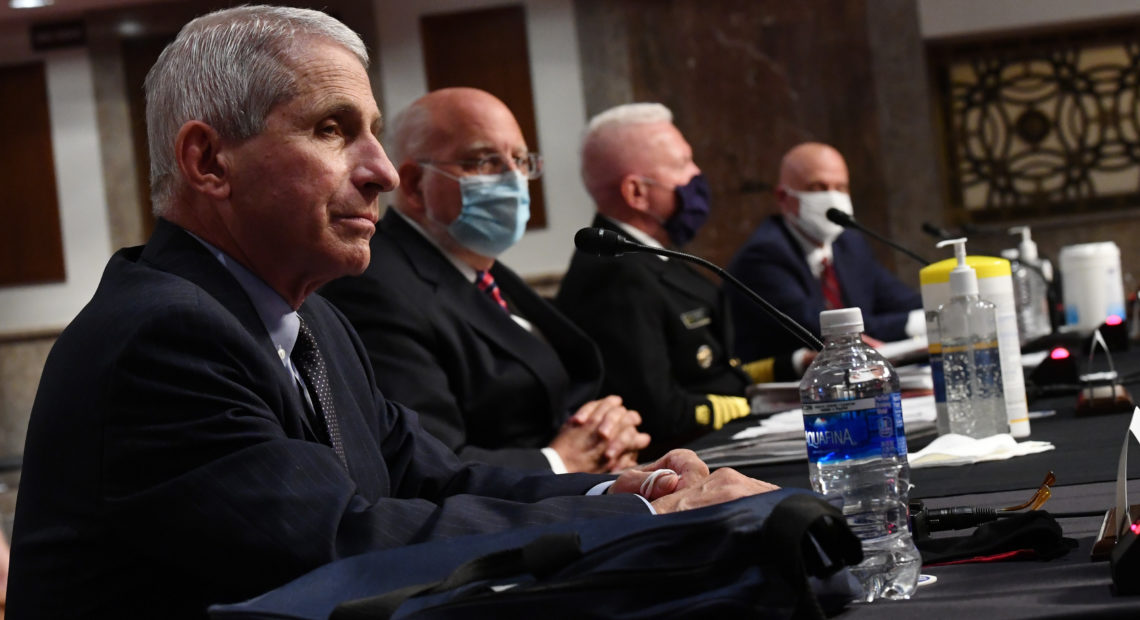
(603, 150)
(629, 114)
(228, 69)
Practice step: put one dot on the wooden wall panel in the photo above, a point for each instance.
(31, 242)
(487, 49)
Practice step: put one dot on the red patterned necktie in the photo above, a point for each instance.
(832, 297)
(486, 283)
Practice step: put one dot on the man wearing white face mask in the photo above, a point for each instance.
(803, 263)
(493, 369)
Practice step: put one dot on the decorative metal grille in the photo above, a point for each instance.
(1041, 126)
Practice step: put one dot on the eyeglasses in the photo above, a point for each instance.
(1044, 492)
(530, 165)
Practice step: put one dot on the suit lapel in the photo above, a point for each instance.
(480, 313)
(672, 273)
(173, 250)
(575, 356)
(808, 281)
(699, 297)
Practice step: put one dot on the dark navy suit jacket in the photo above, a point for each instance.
(169, 464)
(773, 264)
(490, 390)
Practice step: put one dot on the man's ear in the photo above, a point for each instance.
(198, 152)
(786, 201)
(635, 192)
(411, 187)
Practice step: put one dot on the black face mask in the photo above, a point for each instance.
(692, 210)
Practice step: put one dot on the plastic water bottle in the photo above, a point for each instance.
(857, 451)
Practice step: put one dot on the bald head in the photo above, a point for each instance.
(446, 118)
(434, 143)
(814, 167)
(813, 179)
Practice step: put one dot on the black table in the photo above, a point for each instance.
(1085, 463)
(1068, 587)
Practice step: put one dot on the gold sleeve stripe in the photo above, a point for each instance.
(761, 371)
(703, 415)
(724, 410)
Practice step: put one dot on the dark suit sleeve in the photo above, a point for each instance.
(886, 301)
(774, 277)
(894, 302)
(415, 367)
(197, 466)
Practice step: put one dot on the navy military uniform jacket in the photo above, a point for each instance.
(664, 334)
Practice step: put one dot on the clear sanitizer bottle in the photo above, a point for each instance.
(857, 451)
(971, 360)
(1031, 276)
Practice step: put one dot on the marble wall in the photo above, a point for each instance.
(748, 79)
(21, 363)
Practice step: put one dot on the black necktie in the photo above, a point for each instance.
(307, 358)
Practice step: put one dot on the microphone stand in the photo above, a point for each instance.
(795, 328)
(847, 221)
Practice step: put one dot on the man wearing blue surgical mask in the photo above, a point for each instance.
(493, 369)
(661, 326)
(803, 263)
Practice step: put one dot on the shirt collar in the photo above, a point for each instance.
(638, 235)
(813, 254)
(280, 320)
(467, 270)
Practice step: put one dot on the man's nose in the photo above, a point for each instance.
(373, 168)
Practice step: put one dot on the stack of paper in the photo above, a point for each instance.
(780, 437)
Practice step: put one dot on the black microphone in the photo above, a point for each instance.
(936, 231)
(607, 243)
(602, 242)
(839, 217)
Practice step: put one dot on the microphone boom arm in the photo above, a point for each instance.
(798, 330)
(839, 217)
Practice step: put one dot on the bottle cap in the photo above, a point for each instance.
(1027, 248)
(841, 321)
(963, 280)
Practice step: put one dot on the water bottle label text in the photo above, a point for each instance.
(855, 429)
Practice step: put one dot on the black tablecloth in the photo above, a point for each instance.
(1086, 449)
(1067, 587)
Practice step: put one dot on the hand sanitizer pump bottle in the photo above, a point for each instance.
(1031, 276)
(971, 360)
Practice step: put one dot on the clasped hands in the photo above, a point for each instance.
(600, 437)
(691, 486)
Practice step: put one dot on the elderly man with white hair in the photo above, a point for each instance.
(661, 326)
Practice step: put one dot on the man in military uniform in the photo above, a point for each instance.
(661, 326)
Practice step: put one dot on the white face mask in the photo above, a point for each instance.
(812, 220)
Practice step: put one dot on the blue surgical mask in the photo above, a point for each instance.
(496, 208)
